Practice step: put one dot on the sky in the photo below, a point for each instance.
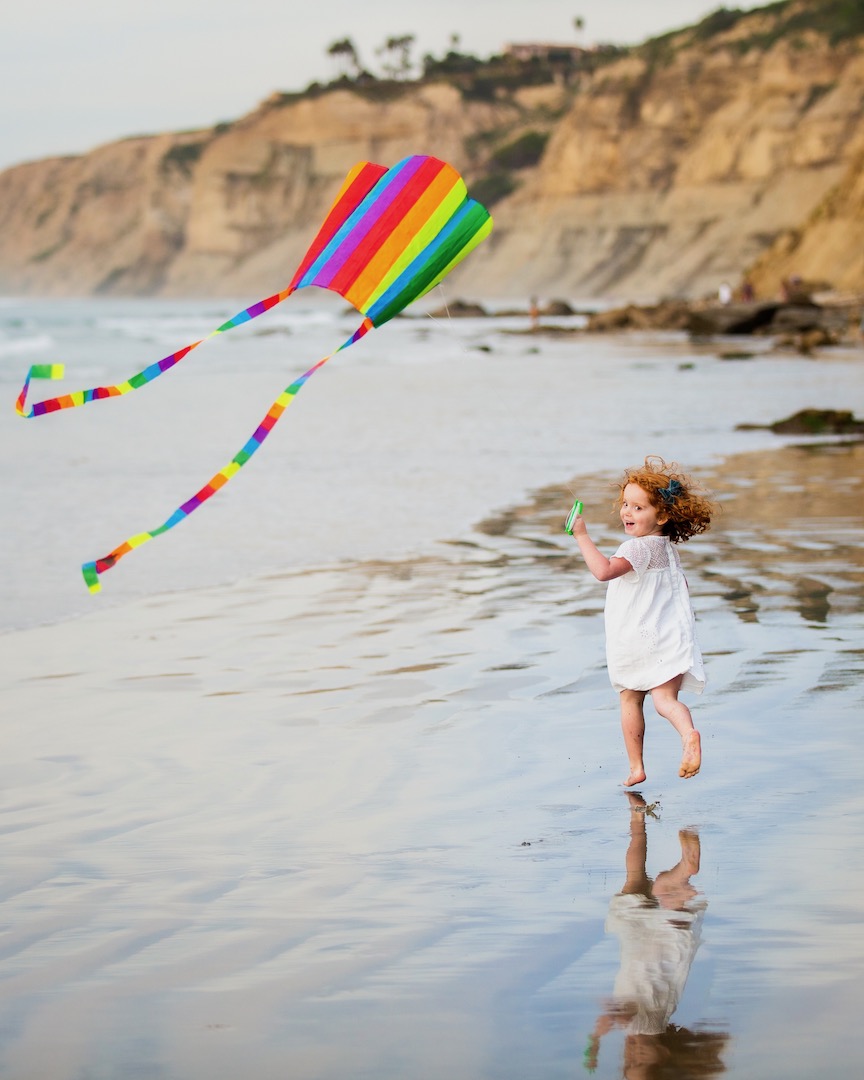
(78, 73)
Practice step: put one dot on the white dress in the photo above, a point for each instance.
(657, 949)
(650, 625)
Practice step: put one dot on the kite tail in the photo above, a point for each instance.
(38, 371)
(153, 371)
(93, 570)
(97, 393)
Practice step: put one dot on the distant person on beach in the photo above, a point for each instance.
(534, 312)
(651, 644)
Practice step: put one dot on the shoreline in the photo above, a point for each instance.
(496, 523)
(529, 404)
(371, 818)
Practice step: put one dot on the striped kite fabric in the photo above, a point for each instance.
(390, 236)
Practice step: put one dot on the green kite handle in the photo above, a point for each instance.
(571, 517)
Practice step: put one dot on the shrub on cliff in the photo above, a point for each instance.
(523, 152)
(837, 20)
(718, 22)
(492, 188)
(183, 157)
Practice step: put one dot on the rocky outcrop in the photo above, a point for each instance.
(813, 422)
(773, 318)
(669, 315)
(664, 173)
(802, 325)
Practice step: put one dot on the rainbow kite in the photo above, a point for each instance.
(390, 236)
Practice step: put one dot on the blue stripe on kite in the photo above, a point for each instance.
(395, 181)
(250, 447)
(151, 371)
(241, 317)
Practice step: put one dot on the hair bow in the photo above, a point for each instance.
(671, 493)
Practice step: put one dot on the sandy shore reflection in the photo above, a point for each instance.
(658, 924)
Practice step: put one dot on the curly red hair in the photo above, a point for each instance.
(687, 507)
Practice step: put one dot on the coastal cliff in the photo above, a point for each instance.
(732, 147)
(224, 210)
(667, 177)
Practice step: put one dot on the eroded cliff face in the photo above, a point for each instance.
(221, 211)
(829, 245)
(111, 220)
(261, 190)
(665, 173)
(668, 180)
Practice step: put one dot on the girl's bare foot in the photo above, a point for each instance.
(637, 776)
(691, 759)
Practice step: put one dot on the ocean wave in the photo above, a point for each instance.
(34, 343)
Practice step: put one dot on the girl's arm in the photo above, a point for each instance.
(602, 568)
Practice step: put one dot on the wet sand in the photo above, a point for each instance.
(368, 820)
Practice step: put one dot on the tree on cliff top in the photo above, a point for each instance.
(397, 52)
(345, 52)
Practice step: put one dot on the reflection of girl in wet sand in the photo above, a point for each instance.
(651, 642)
(658, 924)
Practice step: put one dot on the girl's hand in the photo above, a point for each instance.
(578, 528)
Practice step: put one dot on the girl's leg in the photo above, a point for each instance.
(638, 883)
(672, 887)
(666, 703)
(633, 729)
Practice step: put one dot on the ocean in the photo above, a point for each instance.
(405, 440)
(326, 781)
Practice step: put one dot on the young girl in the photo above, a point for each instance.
(651, 642)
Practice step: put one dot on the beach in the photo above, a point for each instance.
(328, 780)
